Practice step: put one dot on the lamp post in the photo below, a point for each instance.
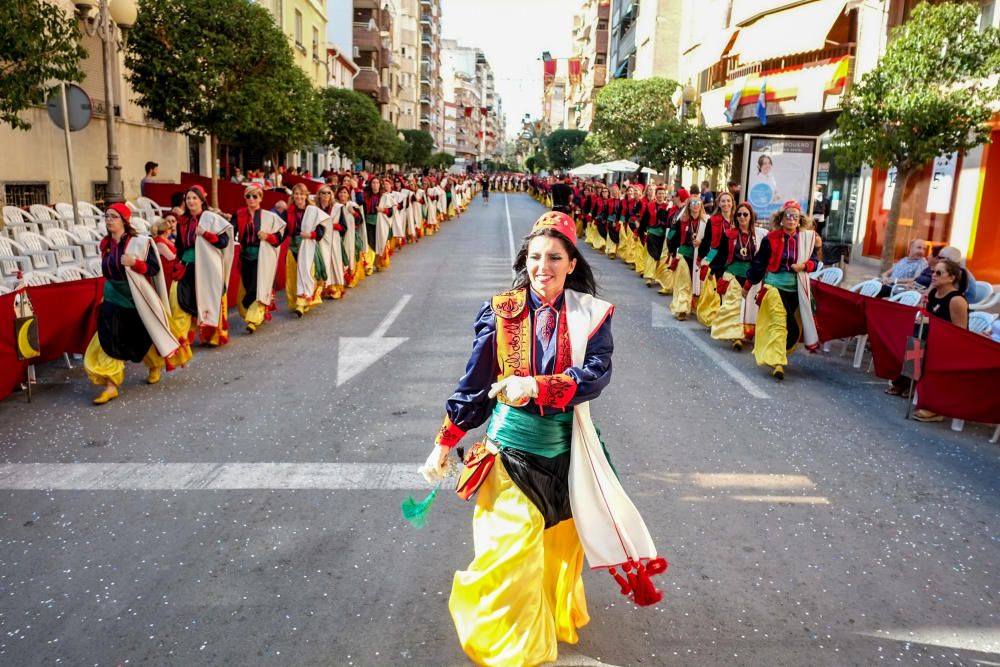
(109, 22)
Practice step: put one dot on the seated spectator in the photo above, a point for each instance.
(238, 176)
(707, 197)
(280, 207)
(905, 271)
(969, 281)
(945, 300)
(923, 281)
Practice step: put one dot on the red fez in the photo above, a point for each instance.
(791, 203)
(682, 194)
(558, 221)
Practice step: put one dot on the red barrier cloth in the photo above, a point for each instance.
(289, 181)
(889, 324)
(230, 194)
(12, 371)
(233, 291)
(839, 313)
(66, 315)
(961, 373)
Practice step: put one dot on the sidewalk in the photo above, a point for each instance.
(860, 269)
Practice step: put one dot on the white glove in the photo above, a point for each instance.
(436, 465)
(515, 388)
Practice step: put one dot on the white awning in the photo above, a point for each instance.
(709, 51)
(789, 31)
(619, 165)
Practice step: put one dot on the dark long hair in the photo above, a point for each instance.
(582, 278)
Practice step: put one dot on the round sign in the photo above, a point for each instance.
(78, 107)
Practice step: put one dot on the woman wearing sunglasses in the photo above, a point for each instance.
(683, 240)
(260, 233)
(333, 245)
(736, 317)
(782, 263)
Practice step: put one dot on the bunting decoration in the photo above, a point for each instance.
(575, 69)
(549, 69)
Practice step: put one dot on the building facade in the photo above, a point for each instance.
(431, 93)
(590, 45)
(645, 38)
(472, 102)
(372, 34)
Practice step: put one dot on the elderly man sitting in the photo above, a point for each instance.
(905, 271)
(968, 282)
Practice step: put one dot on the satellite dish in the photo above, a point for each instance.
(79, 107)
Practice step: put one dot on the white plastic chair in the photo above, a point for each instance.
(16, 221)
(866, 288)
(150, 209)
(62, 238)
(91, 214)
(24, 258)
(45, 216)
(65, 274)
(37, 278)
(985, 298)
(136, 211)
(815, 273)
(87, 233)
(93, 266)
(139, 224)
(65, 254)
(907, 298)
(980, 322)
(832, 275)
(65, 212)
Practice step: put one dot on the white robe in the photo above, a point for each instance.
(383, 225)
(151, 299)
(398, 215)
(312, 219)
(267, 257)
(213, 267)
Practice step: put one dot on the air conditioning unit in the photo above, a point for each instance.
(357, 53)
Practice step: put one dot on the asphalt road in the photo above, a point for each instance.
(806, 522)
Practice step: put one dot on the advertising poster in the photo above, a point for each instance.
(779, 169)
(942, 183)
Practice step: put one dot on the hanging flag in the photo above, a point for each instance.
(835, 86)
(734, 101)
(549, 69)
(762, 103)
(468, 112)
(482, 111)
(574, 72)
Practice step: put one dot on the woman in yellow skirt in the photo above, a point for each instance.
(784, 314)
(712, 252)
(122, 334)
(683, 240)
(523, 591)
(731, 322)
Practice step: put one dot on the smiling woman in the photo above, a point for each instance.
(542, 351)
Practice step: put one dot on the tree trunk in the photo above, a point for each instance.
(892, 224)
(213, 142)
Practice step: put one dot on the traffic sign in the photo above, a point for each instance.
(79, 107)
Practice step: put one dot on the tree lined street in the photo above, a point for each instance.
(246, 510)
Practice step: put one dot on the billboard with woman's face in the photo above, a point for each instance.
(778, 169)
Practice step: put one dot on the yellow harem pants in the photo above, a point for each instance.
(728, 322)
(708, 301)
(102, 368)
(771, 345)
(523, 591)
(296, 302)
(257, 311)
(681, 303)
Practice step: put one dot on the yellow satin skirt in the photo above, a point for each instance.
(728, 322)
(663, 275)
(681, 303)
(296, 302)
(523, 591)
(772, 331)
(255, 314)
(102, 368)
(709, 301)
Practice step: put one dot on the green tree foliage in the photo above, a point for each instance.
(593, 149)
(529, 164)
(930, 95)
(676, 143)
(383, 145)
(441, 160)
(200, 66)
(625, 108)
(351, 118)
(295, 117)
(560, 145)
(420, 145)
(39, 45)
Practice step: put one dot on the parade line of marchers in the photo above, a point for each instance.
(742, 281)
(162, 291)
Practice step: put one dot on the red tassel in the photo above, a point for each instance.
(625, 588)
(656, 566)
(644, 592)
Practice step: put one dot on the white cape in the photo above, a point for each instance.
(267, 257)
(150, 297)
(213, 267)
(312, 219)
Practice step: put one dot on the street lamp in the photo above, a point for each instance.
(109, 21)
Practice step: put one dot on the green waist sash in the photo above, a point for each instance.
(118, 293)
(656, 231)
(739, 269)
(250, 252)
(371, 219)
(686, 251)
(187, 257)
(783, 280)
(547, 436)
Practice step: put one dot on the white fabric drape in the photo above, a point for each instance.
(212, 269)
(150, 297)
(267, 257)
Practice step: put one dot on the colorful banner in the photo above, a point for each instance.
(575, 70)
(549, 72)
(942, 183)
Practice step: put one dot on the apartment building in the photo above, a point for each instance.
(590, 45)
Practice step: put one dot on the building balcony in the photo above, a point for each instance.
(383, 95)
(366, 4)
(601, 42)
(600, 75)
(367, 81)
(365, 39)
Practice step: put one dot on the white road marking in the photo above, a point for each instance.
(356, 355)
(510, 237)
(209, 476)
(662, 319)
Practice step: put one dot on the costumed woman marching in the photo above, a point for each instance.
(737, 316)
(550, 494)
(134, 321)
(260, 234)
(783, 263)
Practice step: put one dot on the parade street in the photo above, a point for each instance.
(246, 510)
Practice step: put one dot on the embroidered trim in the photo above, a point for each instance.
(449, 434)
(509, 305)
(555, 391)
